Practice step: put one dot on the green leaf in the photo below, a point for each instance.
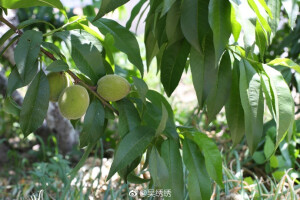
(29, 22)
(173, 27)
(26, 54)
(267, 9)
(172, 65)
(204, 72)
(171, 155)
(263, 22)
(53, 48)
(199, 184)
(268, 147)
(219, 95)
(158, 170)
(94, 120)
(259, 157)
(12, 41)
(129, 117)
(274, 6)
(252, 102)
(15, 4)
(234, 110)
(235, 25)
(157, 99)
(124, 40)
(284, 62)
(134, 12)
(57, 66)
(14, 81)
(261, 39)
(213, 160)
(283, 102)
(11, 107)
(85, 51)
(163, 121)
(194, 22)
(35, 104)
(246, 21)
(219, 20)
(108, 6)
(132, 178)
(292, 9)
(130, 147)
(167, 4)
(6, 36)
(150, 40)
(141, 87)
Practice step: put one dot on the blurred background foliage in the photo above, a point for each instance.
(34, 167)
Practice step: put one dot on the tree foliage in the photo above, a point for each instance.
(217, 39)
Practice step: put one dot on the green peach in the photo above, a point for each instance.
(57, 82)
(73, 102)
(113, 87)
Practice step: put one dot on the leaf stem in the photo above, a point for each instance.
(240, 55)
(63, 26)
(77, 80)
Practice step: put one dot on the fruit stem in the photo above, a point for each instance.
(77, 80)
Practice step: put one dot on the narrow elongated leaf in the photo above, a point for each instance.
(124, 40)
(141, 87)
(283, 102)
(264, 23)
(129, 117)
(261, 39)
(173, 27)
(274, 6)
(213, 160)
(14, 81)
(194, 22)
(234, 110)
(219, 95)
(157, 98)
(167, 4)
(35, 104)
(158, 170)
(26, 54)
(11, 107)
(15, 4)
(219, 20)
(285, 62)
(150, 40)
(199, 184)
(58, 66)
(235, 25)
(108, 6)
(172, 65)
(163, 121)
(252, 102)
(245, 15)
(171, 155)
(33, 21)
(267, 9)
(130, 147)
(85, 51)
(134, 13)
(204, 72)
(6, 36)
(94, 120)
(292, 9)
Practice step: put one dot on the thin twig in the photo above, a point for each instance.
(77, 80)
